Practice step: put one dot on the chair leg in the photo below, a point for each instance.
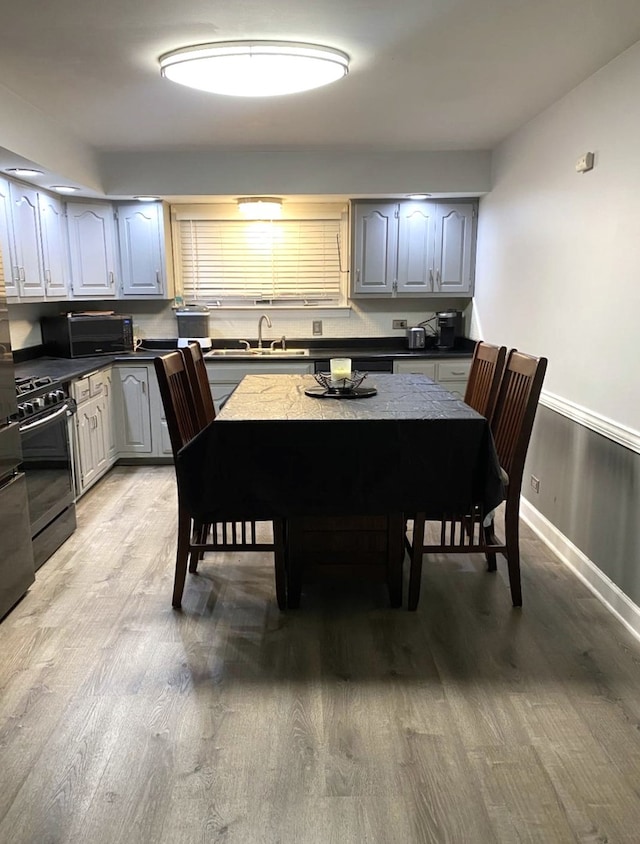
(512, 541)
(415, 571)
(490, 539)
(182, 554)
(279, 559)
(200, 532)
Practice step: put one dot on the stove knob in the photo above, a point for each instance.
(60, 396)
(38, 404)
(27, 408)
(50, 398)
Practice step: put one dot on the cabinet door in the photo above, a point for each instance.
(375, 247)
(85, 453)
(140, 229)
(7, 244)
(26, 232)
(134, 418)
(54, 256)
(454, 248)
(92, 250)
(416, 243)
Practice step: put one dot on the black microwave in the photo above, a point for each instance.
(82, 335)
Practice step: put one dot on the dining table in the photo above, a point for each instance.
(344, 470)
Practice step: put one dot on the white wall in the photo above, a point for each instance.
(558, 259)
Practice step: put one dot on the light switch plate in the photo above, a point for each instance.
(317, 327)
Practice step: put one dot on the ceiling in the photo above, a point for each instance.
(425, 74)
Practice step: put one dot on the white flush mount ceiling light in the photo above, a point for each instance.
(64, 188)
(254, 68)
(417, 196)
(260, 207)
(147, 198)
(24, 171)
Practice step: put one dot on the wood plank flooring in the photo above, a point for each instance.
(467, 722)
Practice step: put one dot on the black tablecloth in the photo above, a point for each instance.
(273, 451)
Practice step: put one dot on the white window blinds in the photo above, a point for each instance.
(230, 262)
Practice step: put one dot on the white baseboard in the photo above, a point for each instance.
(594, 579)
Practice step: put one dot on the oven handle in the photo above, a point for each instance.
(67, 409)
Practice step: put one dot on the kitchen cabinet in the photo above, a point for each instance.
(144, 231)
(95, 445)
(6, 242)
(142, 425)
(92, 250)
(27, 242)
(55, 263)
(452, 374)
(412, 248)
(225, 377)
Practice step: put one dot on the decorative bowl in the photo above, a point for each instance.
(342, 385)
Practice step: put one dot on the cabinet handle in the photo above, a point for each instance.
(47, 277)
(438, 278)
(16, 273)
(144, 389)
(431, 274)
(358, 276)
(111, 278)
(458, 372)
(158, 280)
(21, 275)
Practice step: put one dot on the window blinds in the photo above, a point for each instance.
(246, 262)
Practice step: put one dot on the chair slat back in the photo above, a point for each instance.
(197, 372)
(484, 377)
(515, 411)
(177, 400)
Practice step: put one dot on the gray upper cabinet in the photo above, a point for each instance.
(411, 248)
(144, 266)
(455, 248)
(7, 244)
(92, 250)
(26, 234)
(55, 264)
(374, 247)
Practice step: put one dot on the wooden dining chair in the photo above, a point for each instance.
(486, 370)
(197, 372)
(238, 534)
(474, 531)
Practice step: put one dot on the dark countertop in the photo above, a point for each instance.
(34, 363)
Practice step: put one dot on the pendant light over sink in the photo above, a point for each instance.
(254, 68)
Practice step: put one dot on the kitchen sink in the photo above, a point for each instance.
(252, 353)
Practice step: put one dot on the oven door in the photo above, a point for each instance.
(47, 464)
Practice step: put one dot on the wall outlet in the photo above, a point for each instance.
(585, 163)
(317, 327)
(535, 483)
(399, 323)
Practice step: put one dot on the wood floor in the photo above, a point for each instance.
(122, 720)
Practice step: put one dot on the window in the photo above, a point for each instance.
(295, 262)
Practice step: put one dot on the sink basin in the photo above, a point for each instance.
(253, 353)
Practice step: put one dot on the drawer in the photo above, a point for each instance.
(416, 367)
(81, 389)
(97, 384)
(453, 370)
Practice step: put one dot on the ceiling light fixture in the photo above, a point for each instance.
(24, 171)
(254, 68)
(64, 188)
(147, 198)
(418, 196)
(260, 207)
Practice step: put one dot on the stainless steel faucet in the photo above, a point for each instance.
(264, 316)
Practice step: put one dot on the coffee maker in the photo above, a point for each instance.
(449, 328)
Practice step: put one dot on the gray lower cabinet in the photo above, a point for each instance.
(95, 448)
(141, 424)
(451, 374)
(225, 377)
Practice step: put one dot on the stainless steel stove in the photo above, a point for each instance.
(44, 410)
